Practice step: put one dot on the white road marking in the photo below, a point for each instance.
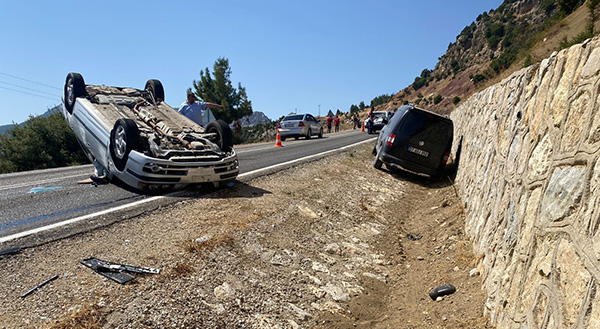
(154, 198)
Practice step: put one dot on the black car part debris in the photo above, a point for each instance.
(413, 237)
(38, 286)
(114, 272)
(440, 291)
(10, 251)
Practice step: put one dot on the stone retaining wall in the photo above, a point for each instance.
(529, 174)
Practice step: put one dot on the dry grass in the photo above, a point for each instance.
(84, 317)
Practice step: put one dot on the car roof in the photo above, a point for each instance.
(439, 116)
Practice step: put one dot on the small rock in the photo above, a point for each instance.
(375, 276)
(293, 324)
(456, 269)
(420, 258)
(300, 313)
(337, 293)
(333, 249)
(224, 291)
(473, 272)
(316, 266)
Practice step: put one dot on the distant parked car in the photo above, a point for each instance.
(416, 140)
(380, 119)
(144, 142)
(300, 125)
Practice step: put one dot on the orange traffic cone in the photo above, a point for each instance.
(362, 130)
(278, 140)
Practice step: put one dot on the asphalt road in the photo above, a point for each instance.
(30, 202)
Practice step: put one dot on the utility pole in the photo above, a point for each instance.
(319, 110)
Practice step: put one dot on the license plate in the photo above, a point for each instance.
(418, 151)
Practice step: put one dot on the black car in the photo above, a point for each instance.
(416, 140)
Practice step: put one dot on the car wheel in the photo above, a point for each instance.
(377, 163)
(156, 90)
(296, 137)
(74, 87)
(320, 133)
(282, 139)
(308, 134)
(224, 136)
(124, 137)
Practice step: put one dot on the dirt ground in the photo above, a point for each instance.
(330, 244)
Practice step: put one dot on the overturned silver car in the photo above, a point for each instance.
(144, 142)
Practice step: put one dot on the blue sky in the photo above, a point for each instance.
(289, 55)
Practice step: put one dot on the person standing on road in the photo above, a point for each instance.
(355, 122)
(197, 110)
(329, 119)
(370, 117)
(336, 123)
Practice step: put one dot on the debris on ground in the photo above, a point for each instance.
(414, 237)
(44, 189)
(10, 251)
(39, 286)
(114, 272)
(442, 291)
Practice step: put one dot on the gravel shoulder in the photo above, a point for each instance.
(330, 244)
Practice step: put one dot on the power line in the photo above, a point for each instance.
(37, 83)
(24, 92)
(14, 85)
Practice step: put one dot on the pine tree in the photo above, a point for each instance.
(219, 89)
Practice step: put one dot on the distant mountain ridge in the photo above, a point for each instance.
(254, 119)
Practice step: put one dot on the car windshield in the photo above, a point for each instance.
(379, 115)
(293, 117)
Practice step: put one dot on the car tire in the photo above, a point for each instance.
(74, 87)
(296, 137)
(377, 163)
(308, 134)
(320, 133)
(224, 134)
(124, 137)
(156, 90)
(282, 139)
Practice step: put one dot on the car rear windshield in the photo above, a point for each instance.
(293, 117)
(426, 126)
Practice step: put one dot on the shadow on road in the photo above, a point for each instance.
(233, 190)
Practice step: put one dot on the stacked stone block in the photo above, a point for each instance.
(529, 175)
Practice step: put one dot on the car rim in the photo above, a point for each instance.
(120, 143)
(70, 96)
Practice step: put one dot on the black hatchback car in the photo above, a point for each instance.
(415, 140)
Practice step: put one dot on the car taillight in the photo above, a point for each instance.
(278, 125)
(301, 124)
(445, 158)
(390, 140)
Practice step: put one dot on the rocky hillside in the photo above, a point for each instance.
(516, 34)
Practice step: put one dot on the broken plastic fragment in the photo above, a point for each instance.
(10, 251)
(38, 286)
(44, 189)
